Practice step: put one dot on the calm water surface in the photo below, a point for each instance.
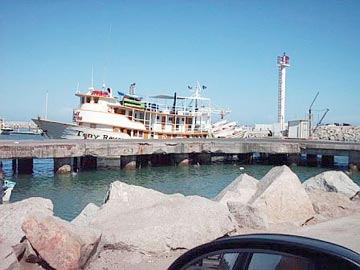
(71, 193)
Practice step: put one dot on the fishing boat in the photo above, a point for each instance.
(101, 115)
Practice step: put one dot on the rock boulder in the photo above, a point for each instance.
(332, 205)
(86, 215)
(240, 190)
(248, 216)
(136, 218)
(59, 243)
(14, 214)
(12, 217)
(131, 197)
(282, 198)
(332, 181)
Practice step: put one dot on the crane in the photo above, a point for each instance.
(310, 115)
(322, 118)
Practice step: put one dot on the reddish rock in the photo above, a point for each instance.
(53, 242)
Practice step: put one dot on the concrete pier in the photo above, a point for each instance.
(92, 154)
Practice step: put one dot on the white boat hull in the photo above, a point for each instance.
(58, 130)
(7, 194)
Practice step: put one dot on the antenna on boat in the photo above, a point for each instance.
(92, 77)
(77, 87)
(132, 89)
(46, 104)
(107, 54)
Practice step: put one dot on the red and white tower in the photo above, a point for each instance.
(283, 63)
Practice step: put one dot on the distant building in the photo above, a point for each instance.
(298, 129)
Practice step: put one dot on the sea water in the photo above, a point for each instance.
(72, 192)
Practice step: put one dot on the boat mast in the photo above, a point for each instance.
(92, 78)
(46, 104)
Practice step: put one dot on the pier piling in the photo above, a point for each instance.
(327, 161)
(108, 163)
(354, 159)
(294, 159)
(25, 166)
(246, 158)
(88, 163)
(182, 159)
(128, 162)
(311, 160)
(60, 162)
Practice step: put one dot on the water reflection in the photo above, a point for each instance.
(71, 193)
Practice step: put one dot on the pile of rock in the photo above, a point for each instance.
(338, 133)
(32, 238)
(138, 220)
(279, 200)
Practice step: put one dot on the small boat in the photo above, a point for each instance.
(4, 129)
(129, 116)
(8, 187)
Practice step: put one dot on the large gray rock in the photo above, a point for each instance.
(131, 197)
(282, 198)
(332, 205)
(247, 216)
(332, 181)
(8, 258)
(147, 220)
(240, 190)
(86, 215)
(61, 244)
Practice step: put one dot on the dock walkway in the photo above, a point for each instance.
(125, 152)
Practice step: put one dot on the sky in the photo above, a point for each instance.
(49, 49)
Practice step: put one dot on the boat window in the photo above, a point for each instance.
(82, 100)
(170, 118)
(88, 100)
(96, 100)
